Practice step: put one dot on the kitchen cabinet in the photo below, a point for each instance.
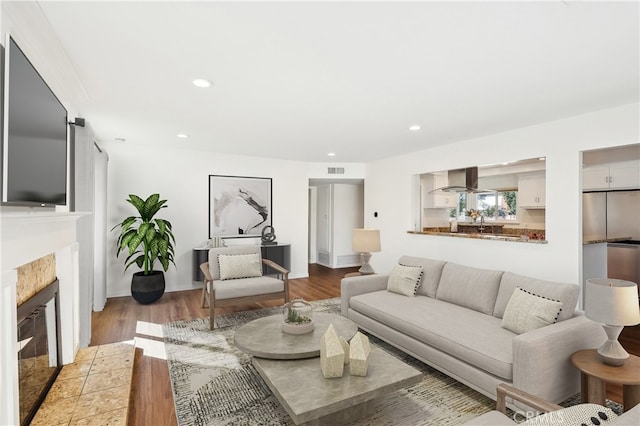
(531, 191)
(612, 176)
(437, 200)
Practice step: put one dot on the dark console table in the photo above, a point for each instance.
(279, 253)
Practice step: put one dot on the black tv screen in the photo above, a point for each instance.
(34, 155)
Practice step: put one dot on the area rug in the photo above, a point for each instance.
(215, 384)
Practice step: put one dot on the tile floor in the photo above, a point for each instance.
(94, 390)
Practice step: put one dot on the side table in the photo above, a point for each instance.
(594, 373)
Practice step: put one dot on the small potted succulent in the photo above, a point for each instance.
(297, 317)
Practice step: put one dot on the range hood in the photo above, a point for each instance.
(462, 180)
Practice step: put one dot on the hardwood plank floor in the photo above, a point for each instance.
(152, 398)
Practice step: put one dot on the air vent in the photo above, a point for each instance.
(335, 170)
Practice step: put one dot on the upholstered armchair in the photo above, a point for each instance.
(546, 413)
(234, 276)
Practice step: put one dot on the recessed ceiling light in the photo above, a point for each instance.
(331, 154)
(415, 128)
(182, 135)
(120, 139)
(201, 82)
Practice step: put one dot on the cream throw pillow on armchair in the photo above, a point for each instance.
(234, 266)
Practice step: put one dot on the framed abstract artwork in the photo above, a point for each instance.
(239, 205)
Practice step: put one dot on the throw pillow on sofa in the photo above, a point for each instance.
(233, 266)
(404, 279)
(527, 311)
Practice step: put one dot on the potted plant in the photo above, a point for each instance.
(297, 317)
(147, 240)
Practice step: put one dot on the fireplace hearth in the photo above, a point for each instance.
(39, 343)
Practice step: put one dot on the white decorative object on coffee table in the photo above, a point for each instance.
(331, 354)
(359, 351)
(345, 347)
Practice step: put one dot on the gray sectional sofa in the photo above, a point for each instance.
(454, 323)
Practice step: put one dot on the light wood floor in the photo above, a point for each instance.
(151, 397)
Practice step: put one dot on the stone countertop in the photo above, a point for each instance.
(606, 240)
(494, 237)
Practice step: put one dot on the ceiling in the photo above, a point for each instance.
(297, 80)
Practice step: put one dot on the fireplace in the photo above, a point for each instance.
(39, 349)
(28, 236)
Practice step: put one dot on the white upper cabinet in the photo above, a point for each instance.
(531, 191)
(437, 200)
(612, 176)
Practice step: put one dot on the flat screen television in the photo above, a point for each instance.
(34, 145)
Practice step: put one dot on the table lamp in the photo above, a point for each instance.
(365, 241)
(614, 304)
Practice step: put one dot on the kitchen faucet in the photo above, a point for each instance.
(481, 229)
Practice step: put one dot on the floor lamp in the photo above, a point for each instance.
(366, 241)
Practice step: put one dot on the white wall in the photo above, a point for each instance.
(388, 191)
(182, 178)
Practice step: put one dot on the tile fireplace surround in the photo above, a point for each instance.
(27, 236)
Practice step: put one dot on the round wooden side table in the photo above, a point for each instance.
(594, 373)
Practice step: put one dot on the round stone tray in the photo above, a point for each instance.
(264, 337)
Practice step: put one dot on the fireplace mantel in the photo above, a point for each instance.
(26, 236)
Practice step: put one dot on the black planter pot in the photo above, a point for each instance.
(147, 289)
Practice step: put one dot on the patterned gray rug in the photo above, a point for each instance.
(215, 384)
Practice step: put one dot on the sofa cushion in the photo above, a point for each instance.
(527, 311)
(233, 266)
(432, 269)
(472, 288)
(565, 293)
(468, 335)
(242, 287)
(404, 279)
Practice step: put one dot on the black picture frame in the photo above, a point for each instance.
(239, 206)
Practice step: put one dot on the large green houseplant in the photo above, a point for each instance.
(147, 240)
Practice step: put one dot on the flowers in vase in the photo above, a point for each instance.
(474, 214)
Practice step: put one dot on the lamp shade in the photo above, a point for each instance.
(365, 240)
(612, 302)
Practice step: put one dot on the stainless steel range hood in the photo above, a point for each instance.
(462, 180)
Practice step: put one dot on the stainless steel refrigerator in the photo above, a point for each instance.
(623, 214)
(594, 216)
(615, 215)
(607, 215)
